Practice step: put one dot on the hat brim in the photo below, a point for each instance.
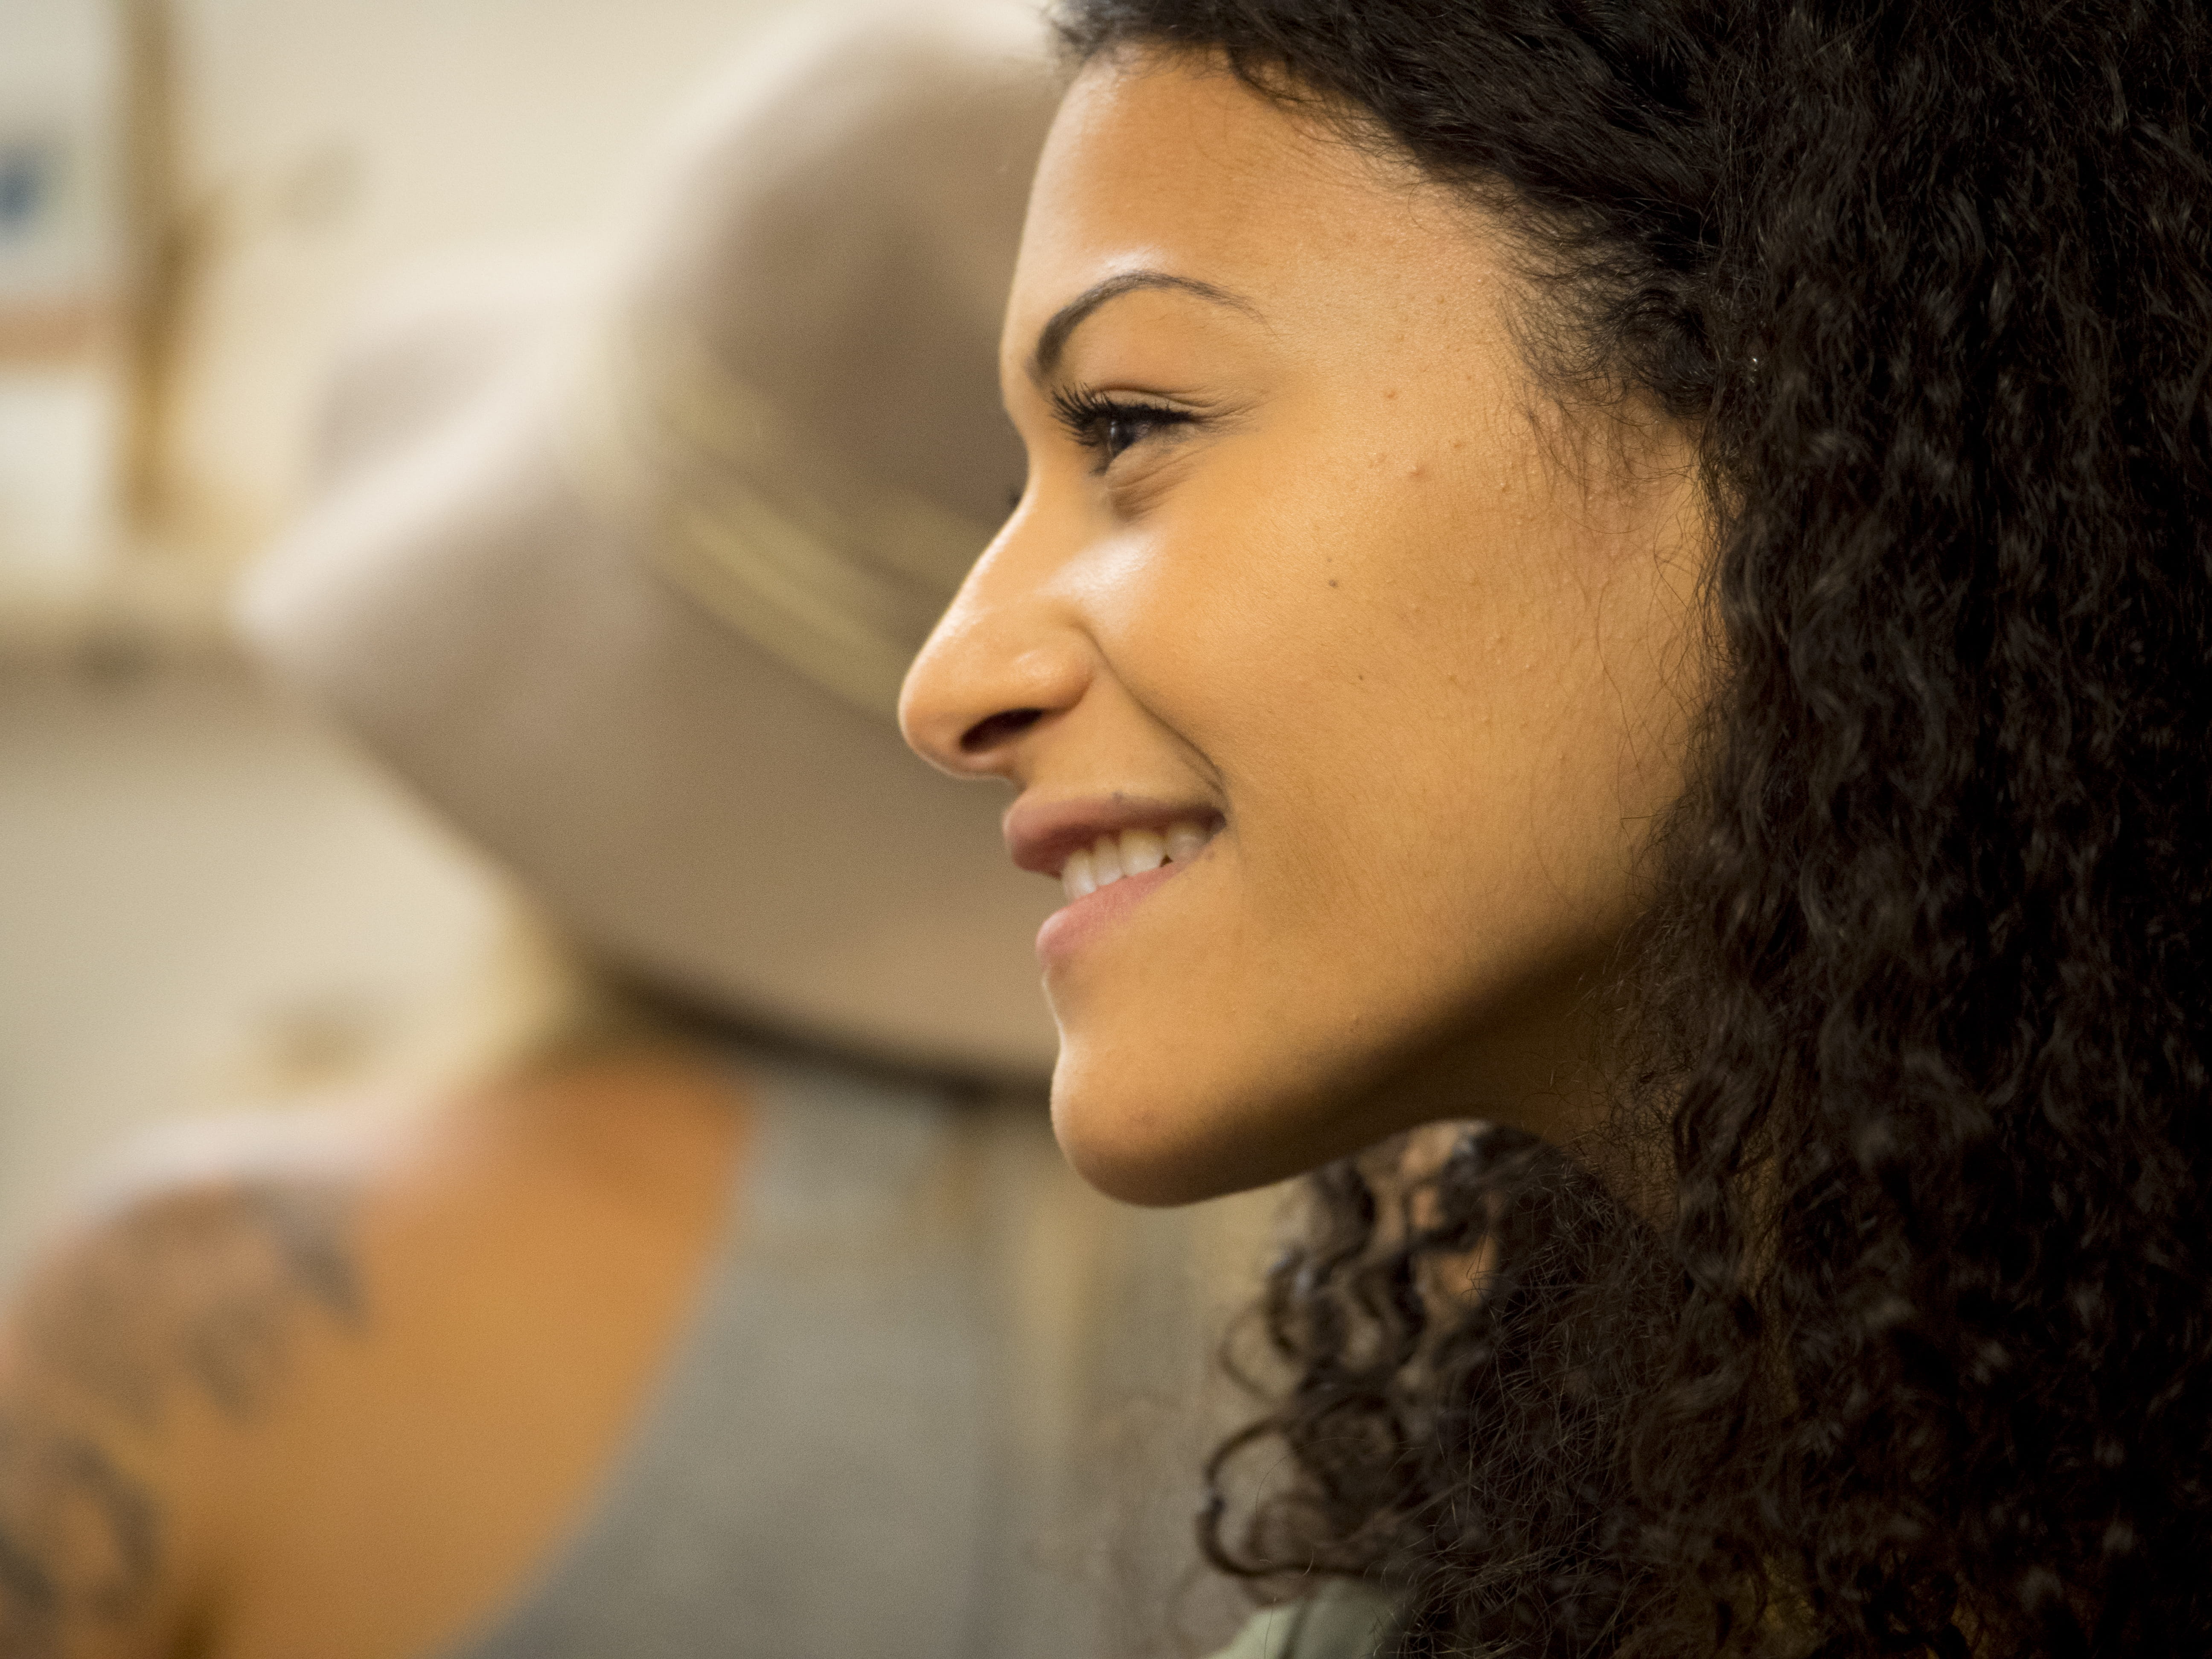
(699, 814)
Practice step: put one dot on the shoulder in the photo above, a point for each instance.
(168, 1309)
(1342, 1620)
(179, 1279)
(182, 1274)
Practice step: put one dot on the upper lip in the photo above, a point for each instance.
(1040, 833)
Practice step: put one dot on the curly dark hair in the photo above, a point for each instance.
(1920, 1358)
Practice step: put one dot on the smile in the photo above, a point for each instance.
(1130, 853)
(1107, 852)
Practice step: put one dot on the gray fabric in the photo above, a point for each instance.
(937, 1401)
(815, 1476)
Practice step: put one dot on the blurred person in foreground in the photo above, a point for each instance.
(773, 1327)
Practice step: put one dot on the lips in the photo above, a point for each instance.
(1109, 853)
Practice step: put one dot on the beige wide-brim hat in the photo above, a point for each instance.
(624, 585)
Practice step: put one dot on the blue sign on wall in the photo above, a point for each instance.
(27, 180)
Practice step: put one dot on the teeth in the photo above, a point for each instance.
(1131, 853)
(1142, 850)
(1106, 859)
(1079, 877)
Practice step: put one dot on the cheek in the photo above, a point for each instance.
(1421, 686)
(1389, 612)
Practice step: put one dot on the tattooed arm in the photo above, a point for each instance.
(127, 1360)
(79, 1541)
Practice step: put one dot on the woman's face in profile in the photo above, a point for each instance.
(1315, 595)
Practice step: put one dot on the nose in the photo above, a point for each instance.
(1001, 664)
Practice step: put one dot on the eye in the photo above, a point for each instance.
(1110, 427)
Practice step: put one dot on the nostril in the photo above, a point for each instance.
(990, 733)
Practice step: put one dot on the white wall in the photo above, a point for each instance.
(327, 141)
(61, 85)
(64, 264)
(207, 906)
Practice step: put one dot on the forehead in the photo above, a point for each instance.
(1172, 163)
(1170, 144)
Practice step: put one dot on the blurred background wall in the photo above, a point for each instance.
(206, 903)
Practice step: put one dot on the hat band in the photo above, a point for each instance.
(838, 576)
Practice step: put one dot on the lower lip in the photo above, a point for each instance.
(1069, 928)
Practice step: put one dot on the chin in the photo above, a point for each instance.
(1152, 1175)
(1160, 1141)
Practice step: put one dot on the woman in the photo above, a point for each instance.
(1639, 573)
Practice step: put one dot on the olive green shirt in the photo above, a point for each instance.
(1345, 1620)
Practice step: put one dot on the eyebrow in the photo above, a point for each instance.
(1052, 337)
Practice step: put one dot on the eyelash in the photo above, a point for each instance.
(1097, 421)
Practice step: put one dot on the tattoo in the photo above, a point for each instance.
(205, 1292)
(202, 1292)
(78, 1539)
